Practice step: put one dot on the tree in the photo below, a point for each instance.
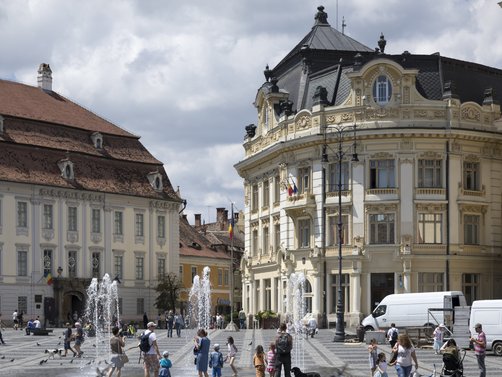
(169, 290)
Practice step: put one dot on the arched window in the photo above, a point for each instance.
(382, 90)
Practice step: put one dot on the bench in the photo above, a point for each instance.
(37, 331)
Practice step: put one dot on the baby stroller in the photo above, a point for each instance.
(453, 364)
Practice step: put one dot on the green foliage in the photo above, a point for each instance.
(169, 291)
(265, 314)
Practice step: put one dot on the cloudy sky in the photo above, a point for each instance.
(184, 74)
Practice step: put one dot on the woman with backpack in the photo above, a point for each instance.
(232, 351)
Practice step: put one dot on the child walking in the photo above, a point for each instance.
(373, 355)
(232, 352)
(216, 361)
(259, 361)
(271, 360)
(165, 365)
(381, 367)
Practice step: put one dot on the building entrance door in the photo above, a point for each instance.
(382, 284)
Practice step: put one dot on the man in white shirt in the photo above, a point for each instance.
(37, 323)
(152, 357)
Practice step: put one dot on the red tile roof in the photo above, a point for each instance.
(24, 101)
(194, 244)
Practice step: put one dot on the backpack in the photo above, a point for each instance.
(283, 345)
(394, 336)
(144, 342)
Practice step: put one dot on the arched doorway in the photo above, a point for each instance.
(73, 302)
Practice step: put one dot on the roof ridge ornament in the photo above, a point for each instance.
(321, 16)
(382, 43)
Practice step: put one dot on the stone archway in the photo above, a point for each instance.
(70, 296)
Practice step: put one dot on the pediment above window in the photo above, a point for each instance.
(66, 168)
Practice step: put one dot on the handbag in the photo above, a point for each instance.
(124, 358)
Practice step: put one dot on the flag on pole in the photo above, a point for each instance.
(231, 225)
(290, 189)
(48, 278)
(295, 189)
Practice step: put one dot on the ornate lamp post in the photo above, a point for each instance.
(340, 308)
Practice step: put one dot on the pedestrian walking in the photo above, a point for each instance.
(381, 368)
(15, 321)
(2, 328)
(68, 337)
(242, 319)
(117, 344)
(259, 361)
(479, 342)
(405, 356)
(271, 360)
(232, 352)
(373, 355)
(283, 347)
(438, 336)
(165, 365)
(202, 344)
(170, 323)
(145, 320)
(216, 361)
(79, 338)
(178, 324)
(392, 335)
(152, 356)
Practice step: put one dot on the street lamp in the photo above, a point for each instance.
(340, 132)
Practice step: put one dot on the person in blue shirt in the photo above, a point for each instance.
(165, 365)
(29, 326)
(216, 361)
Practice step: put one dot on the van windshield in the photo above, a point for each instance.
(379, 310)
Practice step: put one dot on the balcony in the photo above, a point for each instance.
(376, 194)
(300, 205)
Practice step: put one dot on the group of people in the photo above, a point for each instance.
(404, 355)
(174, 321)
(69, 336)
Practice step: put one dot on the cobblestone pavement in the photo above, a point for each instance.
(22, 355)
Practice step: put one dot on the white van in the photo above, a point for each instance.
(489, 314)
(411, 309)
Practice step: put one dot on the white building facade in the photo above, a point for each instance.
(421, 208)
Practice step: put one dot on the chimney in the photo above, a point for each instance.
(184, 216)
(197, 219)
(45, 77)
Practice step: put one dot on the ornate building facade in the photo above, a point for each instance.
(79, 197)
(398, 158)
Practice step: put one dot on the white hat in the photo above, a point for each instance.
(442, 325)
(165, 353)
(151, 324)
(77, 324)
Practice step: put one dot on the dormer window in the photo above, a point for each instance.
(155, 179)
(97, 140)
(382, 90)
(1, 124)
(66, 167)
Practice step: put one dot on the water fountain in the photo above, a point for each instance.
(102, 310)
(200, 300)
(296, 310)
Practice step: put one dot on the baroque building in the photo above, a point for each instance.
(79, 198)
(372, 174)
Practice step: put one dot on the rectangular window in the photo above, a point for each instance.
(161, 226)
(22, 263)
(22, 304)
(304, 233)
(277, 237)
(304, 180)
(161, 267)
(225, 277)
(277, 190)
(266, 240)
(382, 229)
(471, 229)
(118, 266)
(140, 306)
(430, 282)
(96, 265)
(48, 219)
(345, 290)
(140, 261)
(382, 174)
(96, 220)
(471, 176)
(254, 198)
(333, 230)
(254, 244)
(333, 177)
(72, 263)
(72, 219)
(220, 277)
(429, 173)
(47, 261)
(118, 224)
(139, 232)
(470, 287)
(181, 271)
(430, 228)
(266, 193)
(194, 272)
(22, 214)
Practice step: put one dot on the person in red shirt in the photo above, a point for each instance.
(479, 342)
